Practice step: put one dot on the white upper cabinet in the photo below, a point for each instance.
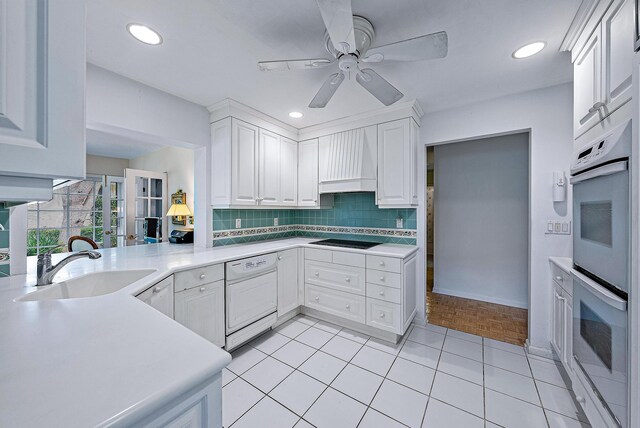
(288, 172)
(308, 173)
(269, 167)
(42, 90)
(397, 164)
(244, 163)
(602, 67)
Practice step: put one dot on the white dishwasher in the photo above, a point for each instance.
(251, 296)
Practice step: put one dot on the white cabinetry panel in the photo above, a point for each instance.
(308, 173)
(201, 310)
(397, 164)
(244, 163)
(288, 172)
(287, 281)
(617, 53)
(160, 296)
(269, 168)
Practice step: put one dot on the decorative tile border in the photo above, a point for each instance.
(234, 236)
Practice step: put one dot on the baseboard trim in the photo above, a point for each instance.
(489, 299)
(539, 351)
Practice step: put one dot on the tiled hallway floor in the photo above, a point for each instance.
(308, 373)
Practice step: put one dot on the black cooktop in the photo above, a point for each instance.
(362, 245)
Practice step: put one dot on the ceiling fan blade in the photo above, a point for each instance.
(431, 46)
(329, 87)
(384, 91)
(338, 19)
(294, 64)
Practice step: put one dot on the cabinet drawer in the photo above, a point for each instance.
(319, 255)
(380, 292)
(388, 264)
(199, 276)
(345, 305)
(388, 279)
(349, 259)
(384, 315)
(338, 277)
(562, 278)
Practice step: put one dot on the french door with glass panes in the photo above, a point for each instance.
(146, 203)
(113, 208)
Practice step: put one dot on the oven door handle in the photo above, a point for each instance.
(602, 293)
(603, 170)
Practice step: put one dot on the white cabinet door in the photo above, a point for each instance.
(587, 84)
(244, 163)
(288, 172)
(308, 173)
(201, 309)
(269, 169)
(287, 281)
(42, 94)
(568, 334)
(160, 296)
(396, 164)
(617, 54)
(558, 321)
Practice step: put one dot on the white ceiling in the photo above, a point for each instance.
(211, 48)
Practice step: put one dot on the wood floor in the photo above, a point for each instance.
(504, 323)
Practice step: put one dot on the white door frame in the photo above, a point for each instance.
(130, 201)
(106, 208)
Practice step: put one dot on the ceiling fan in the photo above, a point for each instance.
(348, 39)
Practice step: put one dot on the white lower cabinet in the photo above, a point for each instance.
(160, 296)
(287, 281)
(201, 309)
(378, 292)
(562, 318)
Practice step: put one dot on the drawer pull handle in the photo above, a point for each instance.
(559, 278)
(317, 274)
(202, 276)
(381, 263)
(381, 314)
(317, 298)
(348, 279)
(382, 293)
(202, 289)
(348, 307)
(382, 278)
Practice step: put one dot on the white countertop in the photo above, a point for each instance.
(91, 361)
(564, 263)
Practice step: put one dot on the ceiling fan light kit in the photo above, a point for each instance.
(348, 40)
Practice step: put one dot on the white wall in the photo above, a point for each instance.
(121, 106)
(547, 113)
(178, 163)
(103, 165)
(482, 218)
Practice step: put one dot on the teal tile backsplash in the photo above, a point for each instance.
(354, 216)
(4, 241)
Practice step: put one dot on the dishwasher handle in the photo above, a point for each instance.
(231, 282)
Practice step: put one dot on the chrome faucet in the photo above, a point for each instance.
(46, 271)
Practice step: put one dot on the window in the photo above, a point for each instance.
(75, 209)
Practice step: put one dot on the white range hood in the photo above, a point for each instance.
(348, 161)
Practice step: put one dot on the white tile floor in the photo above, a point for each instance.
(315, 374)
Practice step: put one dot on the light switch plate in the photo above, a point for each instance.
(238, 223)
(558, 228)
(275, 221)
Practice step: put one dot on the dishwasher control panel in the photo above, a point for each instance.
(250, 266)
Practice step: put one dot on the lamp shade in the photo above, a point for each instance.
(179, 210)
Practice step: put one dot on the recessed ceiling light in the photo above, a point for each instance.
(528, 50)
(296, 114)
(144, 34)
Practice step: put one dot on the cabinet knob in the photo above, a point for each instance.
(317, 274)
(202, 276)
(381, 277)
(381, 263)
(580, 399)
(317, 298)
(381, 293)
(348, 279)
(279, 257)
(559, 278)
(381, 314)
(348, 307)
(202, 288)
(156, 289)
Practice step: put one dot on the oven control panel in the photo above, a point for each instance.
(615, 145)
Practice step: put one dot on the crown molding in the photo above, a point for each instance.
(578, 25)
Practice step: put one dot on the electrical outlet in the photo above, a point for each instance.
(399, 223)
(275, 221)
(238, 223)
